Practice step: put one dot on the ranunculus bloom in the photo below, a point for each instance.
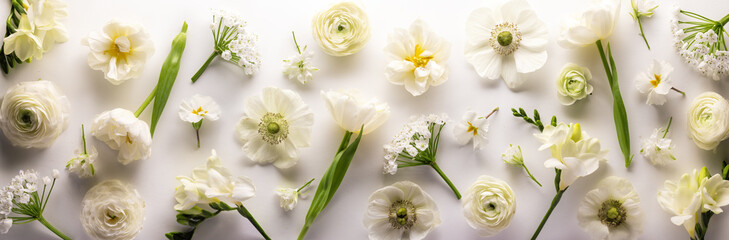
(112, 210)
(352, 111)
(33, 114)
(341, 30)
(399, 208)
(120, 51)
(489, 204)
(708, 120)
(572, 84)
(122, 131)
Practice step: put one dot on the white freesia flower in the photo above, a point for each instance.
(120, 51)
(573, 84)
(112, 210)
(83, 163)
(122, 131)
(506, 40)
(656, 82)
(683, 200)
(611, 211)
(658, 149)
(417, 58)
(23, 42)
(489, 204)
(38, 30)
(277, 123)
(642, 8)
(708, 120)
(472, 128)
(33, 114)
(715, 194)
(341, 30)
(399, 208)
(199, 107)
(592, 24)
(573, 151)
(351, 110)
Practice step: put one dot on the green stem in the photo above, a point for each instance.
(555, 201)
(667, 127)
(296, 43)
(145, 103)
(205, 65)
(83, 137)
(678, 91)
(640, 25)
(530, 174)
(448, 181)
(305, 185)
(244, 212)
(52, 228)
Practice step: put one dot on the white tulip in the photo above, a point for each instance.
(33, 114)
(112, 210)
(120, 51)
(342, 29)
(399, 208)
(352, 111)
(488, 205)
(592, 24)
(122, 131)
(708, 120)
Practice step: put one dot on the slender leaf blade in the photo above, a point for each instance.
(167, 76)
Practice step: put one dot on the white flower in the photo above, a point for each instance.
(83, 163)
(642, 8)
(55, 173)
(23, 42)
(199, 107)
(122, 131)
(275, 125)
(399, 208)
(715, 194)
(33, 114)
(488, 205)
(289, 197)
(592, 24)
(45, 15)
(238, 45)
(573, 151)
(656, 82)
(683, 200)
(506, 40)
(708, 120)
(573, 84)
(658, 149)
(417, 58)
(189, 193)
(513, 155)
(120, 51)
(5, 225)
(299, 66)
(472, 128)
(611, 211)
(112, 210)
(342, 29)
(351, 110)
(413, 139)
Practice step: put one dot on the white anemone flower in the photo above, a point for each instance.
(611, 211)
(402, 207)
(120, 51)
(506, 41)
(656, 83)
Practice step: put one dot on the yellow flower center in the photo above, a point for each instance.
(656, 80)
(199, 111)
(129, 140)
(473, 129)
(120, 48)
(416, 59)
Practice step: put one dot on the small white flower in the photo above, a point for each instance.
(83, 163)
(413, 139)
(642, 8)
(23, 42)
(399, 208)
(122, 131)
(573, 152)
(46, 16)
(112, 210)
(708, 120)
(341, 30)
(351, 110)
(611, 211)
(238, 45)
(55, 173)
(120, 51)
(488, 205)
(276, 124)
(658, 149)
(5, 225)
(417, 58)
(513, 155)
(289, 198)
(472, 128)
(590, 25)
(199, 107)
(656, 82)
(573, 84)
(47, 180)
(33, 114)
(299, 66)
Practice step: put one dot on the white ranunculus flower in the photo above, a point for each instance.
(488, 205)
(399, 208)
(506, 40)
(708, 120)
(417, 58)
(656, 82)
(611, 211)
(592, 24)
(33, 114)
(573, 151)
(342, 29)
(112, 210)
(122, 131)
(289, 197)
(658, 149)
(682, 199)
(299, 66)
(276, 124)
(199, 107)
(23, 42)
(472, 128)
(351, 110)
(573, 84)
(119, 51)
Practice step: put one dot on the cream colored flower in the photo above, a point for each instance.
(120, 51)
(189, 193)
(472, 128)
(342, 29)
(289, 198)
(351, 110)
(488, 205)
(83, 163)
(199, 107)
(23, 42)
(399, 208)
(276, 124)
(658, 149)
(417, 58)
(506, 40)
(611, 211)
(682, 199)
(33, 114)
(573, 84)
(590, 25)
(642, 8)
(656, 82)
(46, 16)
(112, 210)
(299, 66)
(513, 155)
(122, 131)
(708, 120)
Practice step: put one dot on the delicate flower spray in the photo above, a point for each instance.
(640, 9)
(22, 199)
(513, 156)
(702, 43)
(299, 66)
(83, 163)
(417, 145)
(290, 196)
(657, 148)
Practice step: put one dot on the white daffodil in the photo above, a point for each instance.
(488, 205)
(587, 27)
(120, 51)
(33, 114)
(573, 84)
(23, 42)
(473, 128)
(506, 41)
(573, 152)
(611, 211)
(277, 123)
(197, 108)
(351, 111)
(402, 207)
(417, 58)
(656, 82)
(708, 120)
(657, 148)
(299, 66)
(112, 210)
(122, 131)
(341, 30)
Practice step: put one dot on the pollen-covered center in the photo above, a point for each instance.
(656, 80)
(612, 213)
(120, 48)
(273, 128)
(402, 214)
(472, 129)
(505, 38)
(199, 111)
(418, 58)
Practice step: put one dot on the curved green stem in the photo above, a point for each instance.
(555, 201)
(205, 66)
(640, 25)
(145, 103)
(305, 185)
(448, 181)
(52, 228)
(244, 212)
(530, 174)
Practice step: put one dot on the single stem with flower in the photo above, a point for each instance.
(32, 209)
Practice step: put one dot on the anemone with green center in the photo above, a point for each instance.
(612, 213)
(505, 38)
(273, 128)
(402, 214)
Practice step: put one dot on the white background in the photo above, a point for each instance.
(174, 151)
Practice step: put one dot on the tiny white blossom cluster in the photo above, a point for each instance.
(20, 190)
(413, 139)
(700, 52)
(241, 49)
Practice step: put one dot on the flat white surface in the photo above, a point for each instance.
(174, 151)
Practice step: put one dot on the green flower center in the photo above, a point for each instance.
(273, 128)
(25, 118)
(504, 38)
(402, 214)
(612, 213)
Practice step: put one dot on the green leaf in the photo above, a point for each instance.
(725, 170)
(619, 114)
(180, 235)
(167, 76)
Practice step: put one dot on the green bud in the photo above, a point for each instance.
(576, 132)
